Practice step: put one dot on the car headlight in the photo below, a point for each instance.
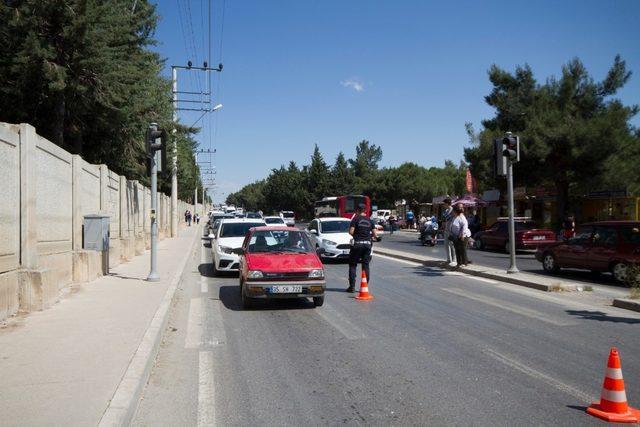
(316, 274)
(255, 274)
(226, 249)
(330, 242)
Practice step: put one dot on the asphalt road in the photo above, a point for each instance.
(434, 347)
(525, 260)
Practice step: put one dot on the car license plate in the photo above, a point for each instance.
(286, 289)
(345, 252)
(539, 237)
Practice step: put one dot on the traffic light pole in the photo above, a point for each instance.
(512, 233)
(153, 274)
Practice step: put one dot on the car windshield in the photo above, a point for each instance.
(335, 226)
(287, 214)
(237, 229)
(253, 215)
(294, 241)
(274, 221)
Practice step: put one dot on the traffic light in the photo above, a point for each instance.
(511, 146)
(499, 160)
(156, 147)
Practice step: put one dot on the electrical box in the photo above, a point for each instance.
(96, 232)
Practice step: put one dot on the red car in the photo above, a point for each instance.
(528, 236)
(280, 262)
(597, 246)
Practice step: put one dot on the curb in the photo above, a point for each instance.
(124, 403)
(480, 273)
(627, 304)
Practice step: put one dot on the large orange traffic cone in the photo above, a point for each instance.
(613, 406)
(364, 289)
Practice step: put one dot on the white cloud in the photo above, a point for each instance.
(353, 83)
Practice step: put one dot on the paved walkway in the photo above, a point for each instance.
(62, 366)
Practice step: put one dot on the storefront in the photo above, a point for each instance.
(610, 205)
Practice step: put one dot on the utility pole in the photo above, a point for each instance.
(174, 159)
(205, 106)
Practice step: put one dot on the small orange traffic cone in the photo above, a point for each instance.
(613, 406)
(364, 289)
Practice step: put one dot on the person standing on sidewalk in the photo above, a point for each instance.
(410, 219)
(447, 218)
(460, 234)
(364, 232)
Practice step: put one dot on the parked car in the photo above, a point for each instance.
(332, 235)
(280, 262)
(597, 246)
(289, 218)
(274, 221)
(528, 236)
(229, 236)
(216, 216)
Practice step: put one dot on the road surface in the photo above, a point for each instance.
(434, 347)
(526, 261)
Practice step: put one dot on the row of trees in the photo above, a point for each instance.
(292, 187)
(574, 135)
(83, 73)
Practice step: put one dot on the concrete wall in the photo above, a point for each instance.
(45, 194)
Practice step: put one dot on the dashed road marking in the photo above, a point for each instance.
(340, 323)
(523, 311)
(206, 390)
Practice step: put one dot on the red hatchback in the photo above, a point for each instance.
(528, 236)
(280, 262)
(597, 246)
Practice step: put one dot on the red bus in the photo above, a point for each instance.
(344, 206)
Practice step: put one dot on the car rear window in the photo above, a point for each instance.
(525, 225)
(274, 221)
(238, 229)
(630, 234)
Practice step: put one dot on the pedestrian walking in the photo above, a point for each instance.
(410, 219)
(197, 218)
(460, 235)
(392, 223)
(363, 231)
(187, 217)
(447, 218)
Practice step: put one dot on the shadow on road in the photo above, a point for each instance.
(601, 317)
(207, 271)
(230, 297)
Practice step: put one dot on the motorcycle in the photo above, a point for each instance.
(428, 234)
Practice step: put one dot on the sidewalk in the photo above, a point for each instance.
(62, 366)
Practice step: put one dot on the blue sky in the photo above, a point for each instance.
(405, 75)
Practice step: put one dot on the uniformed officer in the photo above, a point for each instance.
(363, 231)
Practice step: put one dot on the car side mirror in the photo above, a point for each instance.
(313, 232)
(238, 251)
(320, 251)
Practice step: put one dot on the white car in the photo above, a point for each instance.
(332, 235)
(381, 216)
(229, 235)
(289, 218)
(274, 221)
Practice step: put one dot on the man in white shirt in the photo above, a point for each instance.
(447, 217)
(460, 233)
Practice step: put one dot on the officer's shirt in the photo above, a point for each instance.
(362, 228)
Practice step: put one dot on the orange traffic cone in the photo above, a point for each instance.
(613, 406)
(364, 289)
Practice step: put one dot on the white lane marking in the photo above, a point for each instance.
(415, 264)
(194, 324)
(213, 332)
(581, 396)
(204, 286)
(206, 390)
(508, 306)
(340, 323)
(482, 279)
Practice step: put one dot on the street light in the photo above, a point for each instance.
(217, 107)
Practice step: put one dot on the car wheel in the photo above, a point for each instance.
(479, 244)
(619, 271)
(549, 263)
(318, 301)
(246, 301)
